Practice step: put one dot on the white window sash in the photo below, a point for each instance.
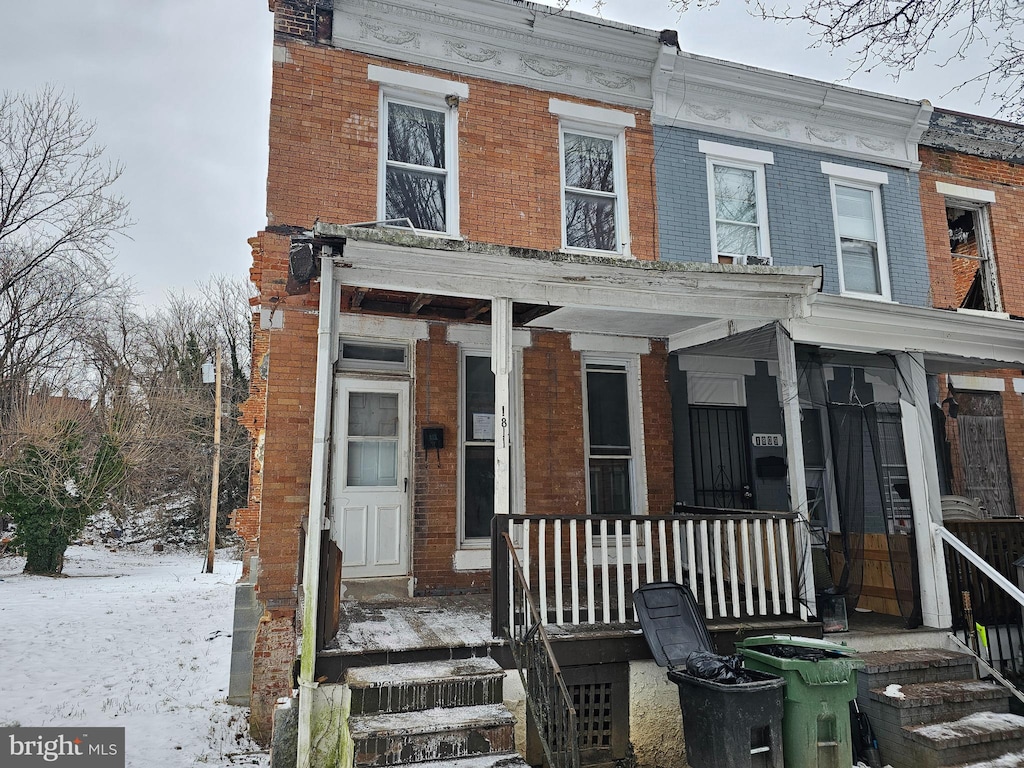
(616, 135)
(761, 194)
(882, 261)
(449, 173)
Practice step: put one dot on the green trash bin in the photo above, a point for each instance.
(821, 681)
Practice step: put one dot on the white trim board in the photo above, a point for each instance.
(572, 111)
(733, 152)
(411, 81)
(965, 193)
(594, 342)
(976, 383)
(854, 173)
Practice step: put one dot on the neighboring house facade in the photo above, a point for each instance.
(526, 265)
(972, 196)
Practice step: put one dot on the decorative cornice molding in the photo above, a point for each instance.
(720, 96)
(483, 39)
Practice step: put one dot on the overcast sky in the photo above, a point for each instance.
(180, 92)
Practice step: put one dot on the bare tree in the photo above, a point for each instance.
(58, 218)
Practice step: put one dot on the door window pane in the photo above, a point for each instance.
(373, 414)
(372, 439)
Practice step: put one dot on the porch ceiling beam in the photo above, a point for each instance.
(419, 303)
(861, 325)
(709, 332)
(478, 309)
(677, 289)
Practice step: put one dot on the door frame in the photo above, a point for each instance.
(345, 383)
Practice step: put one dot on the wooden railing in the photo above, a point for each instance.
(582, 569)
(547, 698)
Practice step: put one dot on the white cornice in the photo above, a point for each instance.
(517, 43)
(856, 324)
(734, 99)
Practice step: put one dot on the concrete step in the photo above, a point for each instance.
(907, 667)
(922, 703)
(428, 685)
(976, 738)
(441, 734)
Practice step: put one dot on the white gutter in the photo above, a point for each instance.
(325, 351)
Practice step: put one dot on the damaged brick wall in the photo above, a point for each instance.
(1002, 173)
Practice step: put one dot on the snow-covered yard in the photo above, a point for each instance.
(128, 638)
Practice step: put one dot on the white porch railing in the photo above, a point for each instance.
(582, 569)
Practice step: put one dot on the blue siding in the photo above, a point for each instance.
(800, 221)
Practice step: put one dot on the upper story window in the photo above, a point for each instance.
(860, 234)
(593, 177)
(975, 283)
(738, 202)
(418, 178)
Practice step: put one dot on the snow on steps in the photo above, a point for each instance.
(411, 687)
(920, 703)
(979, 736)
(444, 733)
(929, 709)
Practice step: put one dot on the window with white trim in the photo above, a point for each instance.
(738, 201)
(612, 435)
(593, 177)
(860, 234)
(418, 178)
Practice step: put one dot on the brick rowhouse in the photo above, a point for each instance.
(323, 166)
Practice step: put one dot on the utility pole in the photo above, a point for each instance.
(215, 482)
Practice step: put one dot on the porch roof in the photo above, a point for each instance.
(592, 293)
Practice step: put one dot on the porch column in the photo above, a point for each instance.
(925, 495)
(789, 392)
(501, 364)
(326, 348)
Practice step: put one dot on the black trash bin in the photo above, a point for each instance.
(725, 724)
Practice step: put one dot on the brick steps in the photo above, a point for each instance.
(431, 714)
(435, 734)
(941, 715)
(410, 687)
(979, 736)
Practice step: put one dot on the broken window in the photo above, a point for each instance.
(974, 276)
(416, 182)
(591, 201)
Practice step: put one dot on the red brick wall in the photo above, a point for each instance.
(323, 153)
(323, 161)
(1006, 180)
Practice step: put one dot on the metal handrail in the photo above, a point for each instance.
(547, 697)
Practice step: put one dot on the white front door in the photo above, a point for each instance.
(370, 477)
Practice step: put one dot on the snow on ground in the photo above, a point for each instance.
(129, 638)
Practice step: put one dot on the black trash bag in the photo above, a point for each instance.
(718, 669)
(782, 651)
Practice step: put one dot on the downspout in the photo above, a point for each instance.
(325, 351)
